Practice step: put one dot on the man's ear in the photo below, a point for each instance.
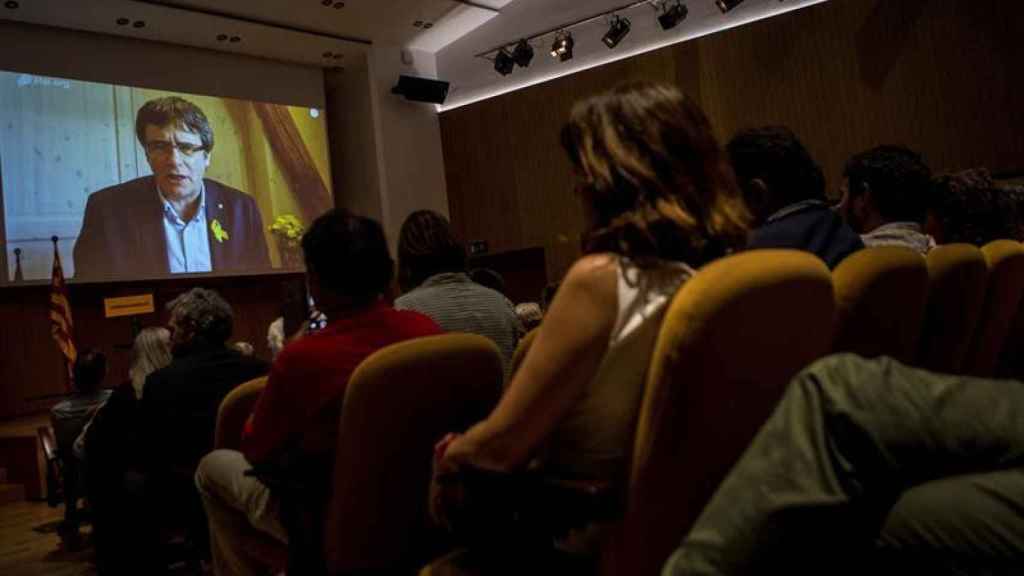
(759, 198)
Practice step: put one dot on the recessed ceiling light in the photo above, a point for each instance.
(428, 24)
(236, 39)
(338, 56)
(139, 24)
(11, 4)
(327, 2)
(328, 54)
(339, 5)
(123, 21)
(418, 23)
(222, 37)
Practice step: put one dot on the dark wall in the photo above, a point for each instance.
(939, 75)
(31, 368)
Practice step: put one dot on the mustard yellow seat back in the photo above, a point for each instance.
(1005, 261)
(234, 410)
(732, 338)
(880, 302)
(957, 276)
(398, 404)
(521, 349)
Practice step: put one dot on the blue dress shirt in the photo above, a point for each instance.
(188, 243)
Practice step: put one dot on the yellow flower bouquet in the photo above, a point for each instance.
(288, 230)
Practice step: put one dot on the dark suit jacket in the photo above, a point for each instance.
(811, 227)
(179, 403)
(123, 236)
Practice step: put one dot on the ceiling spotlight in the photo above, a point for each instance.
(326, 2)
(617, 31)
(235, 39)
(727, 5)
(523, 54)
(673, 16)
(222, 37)
(504, 63)
(123, 21)
(139, 24)
(11, 4)
(562, 47)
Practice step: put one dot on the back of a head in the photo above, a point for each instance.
(897, 178)
(969, 207)
(427, 246)
(349, 255)
(151, 351)
(90, 370)
(654, 180)
(774, 156)
(203, 316)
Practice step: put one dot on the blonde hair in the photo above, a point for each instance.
(150, 352)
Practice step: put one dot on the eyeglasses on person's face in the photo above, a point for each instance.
(164, 149)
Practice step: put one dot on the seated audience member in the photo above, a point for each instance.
(530, 315)
(116, 458)
(885, 197)
(296, 418)
(432, 273)
(180, 401)
(785, 191)
(68, 418)
(275, 337)
(179, 405)
(969, 207)
(869, 466)
(660, 200)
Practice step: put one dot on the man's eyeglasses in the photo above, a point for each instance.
(165, 149)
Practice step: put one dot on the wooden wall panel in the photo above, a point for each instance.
(938, 75)
(31, 372)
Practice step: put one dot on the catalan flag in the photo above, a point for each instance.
(60, 317)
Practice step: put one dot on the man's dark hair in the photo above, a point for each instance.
(173, 110)
(970, 208)
(350, 256)
(205, 314)
(898, 179)
(776, 156)
(90, 370)
(427, 246)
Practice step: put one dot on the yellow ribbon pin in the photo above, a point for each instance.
(219, 233)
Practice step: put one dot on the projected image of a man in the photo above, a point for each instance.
(175, 221)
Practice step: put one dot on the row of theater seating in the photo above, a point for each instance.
(732, 339)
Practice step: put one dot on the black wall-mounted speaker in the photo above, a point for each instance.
(421, 89)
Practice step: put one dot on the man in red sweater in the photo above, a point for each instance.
(295, 422)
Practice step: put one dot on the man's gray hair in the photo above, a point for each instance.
(205, 313)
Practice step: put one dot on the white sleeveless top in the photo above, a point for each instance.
(591, 443)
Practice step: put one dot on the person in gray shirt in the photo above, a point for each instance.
(432, 276)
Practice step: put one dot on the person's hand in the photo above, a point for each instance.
(445, 489)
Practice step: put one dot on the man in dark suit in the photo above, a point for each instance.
(785, 190)
(175, 221)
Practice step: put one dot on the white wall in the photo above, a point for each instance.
(355, 166)
(101, 58)
(408, 138)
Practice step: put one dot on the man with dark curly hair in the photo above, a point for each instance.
(785, 190)
(885, 196)
(970, 207)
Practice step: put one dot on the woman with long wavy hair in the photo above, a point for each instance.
(660, 201)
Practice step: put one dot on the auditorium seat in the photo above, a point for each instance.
(234, 411)
(1005, 261)
(880, 302)
(521, 349)
(399, 403)
(957, 277)
(732, 339)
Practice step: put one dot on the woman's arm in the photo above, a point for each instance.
(562, 361)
